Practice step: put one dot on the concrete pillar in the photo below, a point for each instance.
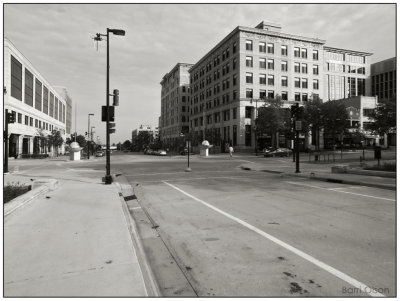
(30, 151)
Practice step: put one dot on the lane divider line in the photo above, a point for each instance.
(294, 250)
(337, 190)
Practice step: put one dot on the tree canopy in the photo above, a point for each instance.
(383, 118)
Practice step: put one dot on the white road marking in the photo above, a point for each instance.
(177, 173)
(336, 189)
(296, 251)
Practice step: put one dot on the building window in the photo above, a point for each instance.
(297, 67)
(28, 88)
(19, 118)
(315, 70)
(234, 64)
(270, 64)
(249, 78)
(284, 66)
(249, 93)
(45, 100)
(304, 53)
(234, 95)
(270, 48)
(315, 55)
(234, 113)
(16, 78)
(304, 68)
(284, 95)
(38, 95)
(51, 105)
(26, 120)
(31, 121)
(226, 115)
(247, 112)
(56, 108)
(249, 45)
(297, 82)
(234, 47)
(304, 97)
(263, 94)
(263, 63)
(284, 81)
(296, 52)
(315, 84)
(271, 80)
(297, 96)
(249, 61)
(304, 83)
(262, 47)
(36, 123)
(234, 80)
(271, 94)
(284, 50)
(263, 79)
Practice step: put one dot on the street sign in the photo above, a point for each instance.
(298, 125)
(104, 113)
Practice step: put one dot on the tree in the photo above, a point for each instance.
(43, 142)
(142, 140)
(272, 118)
(127, 145)
(81, 140)
(312, 118)
(55, 140)
(334, 116)
(383, 118)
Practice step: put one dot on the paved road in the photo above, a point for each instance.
(233, 232)
(244, 233)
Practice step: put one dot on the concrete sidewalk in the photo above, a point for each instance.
(323, 172)
(72, 241)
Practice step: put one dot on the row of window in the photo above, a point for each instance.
(43, 100)
(284, 95)
(33, 122)
(335, 67)
(270, 65)
(264, 47)
(284, 81)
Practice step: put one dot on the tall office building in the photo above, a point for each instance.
(249, 65)
(175, 94)
(37, 106)
(383, 76)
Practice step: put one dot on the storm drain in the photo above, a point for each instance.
(334, 180)
(130, 197)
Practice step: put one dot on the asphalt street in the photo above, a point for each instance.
(245, 233)
(234, 232)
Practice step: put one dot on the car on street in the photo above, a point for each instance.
(277, 152)
(99, 154)
(161, 152)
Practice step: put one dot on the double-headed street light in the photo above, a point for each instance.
(88, 135)
(118, 32)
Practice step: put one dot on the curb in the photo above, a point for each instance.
(152, 288)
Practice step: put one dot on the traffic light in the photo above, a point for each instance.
(111, 127)
(10, 118)
(116, 97)
(104, 113)
(293, 110)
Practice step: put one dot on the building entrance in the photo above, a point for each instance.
(25, 146)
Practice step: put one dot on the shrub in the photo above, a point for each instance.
(13, 190)
(387, 166)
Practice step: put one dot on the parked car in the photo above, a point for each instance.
(184, 151)
(99, 154)
(278, 152)
(161, 152)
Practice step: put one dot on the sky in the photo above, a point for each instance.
(58, 40)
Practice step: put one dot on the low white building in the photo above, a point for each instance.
(37, 106)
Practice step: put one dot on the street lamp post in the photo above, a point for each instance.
(118, 32)
(88, 133)
(91, 136)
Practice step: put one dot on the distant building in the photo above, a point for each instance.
(175, 96)
(153, 131)
(37, 105)
(383, 76)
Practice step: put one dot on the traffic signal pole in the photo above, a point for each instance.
(108, 178)
(297, 153)
(5, 167)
